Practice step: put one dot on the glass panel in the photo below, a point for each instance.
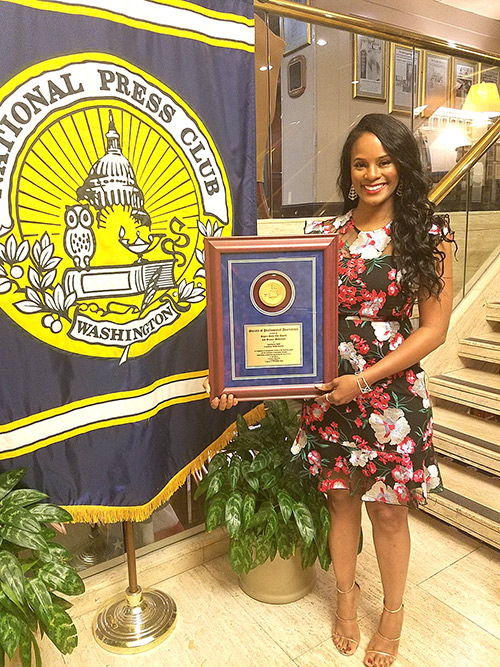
(97, 547)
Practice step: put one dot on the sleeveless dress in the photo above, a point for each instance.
(382, 440)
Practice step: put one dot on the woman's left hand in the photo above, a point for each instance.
(341, 390)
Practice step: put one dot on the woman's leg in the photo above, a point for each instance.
(391, 537)
(345, 512)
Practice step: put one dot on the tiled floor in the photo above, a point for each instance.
(452, 612)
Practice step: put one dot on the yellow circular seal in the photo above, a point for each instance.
(272, 292)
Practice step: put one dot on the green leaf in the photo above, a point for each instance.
(309, 554)
(38, 657)
(286, 503)
(25, 648)
(39, 599)
(241, 425)
(62, 578)
(233, 513)
(2, 658)
(253, 482)
(9, 479)
(272, 524)
(215, 513)
(47, 513)
(12, 574)
(261, 551)
(23, 497)
(61, 602)
(240, 555)
(19, 517)
(219, 461)
(285, 540)
(305, 522)
(61, 630)
(202, 487)
(248, 509)
(23, 538)
(55, 551)
(216, 482)
(47, 533)
(234, 471)
(24, 613)
(271, 478)
(10, 632)
(324, 558)
(260, 462)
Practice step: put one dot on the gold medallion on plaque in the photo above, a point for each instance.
(272, 292)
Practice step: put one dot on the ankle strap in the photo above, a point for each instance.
(348, 591)
(393, 611)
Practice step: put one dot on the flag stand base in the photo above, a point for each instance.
(139, 621)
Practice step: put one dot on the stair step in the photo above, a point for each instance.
(472, 440)
(471, 502)
(468, 386)
(493, 312)
(486, 348)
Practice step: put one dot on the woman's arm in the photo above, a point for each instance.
(434, 316)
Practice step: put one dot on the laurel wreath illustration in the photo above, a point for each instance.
(43, 296)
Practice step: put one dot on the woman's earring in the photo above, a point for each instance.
(352, 193)
(399, 189)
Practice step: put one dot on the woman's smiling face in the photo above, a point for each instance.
(373, 172)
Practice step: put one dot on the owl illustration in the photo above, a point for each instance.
(79, 237)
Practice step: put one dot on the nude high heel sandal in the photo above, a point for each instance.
(338, 636)
(391, 656)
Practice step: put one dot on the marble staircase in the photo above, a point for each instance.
(466, 403)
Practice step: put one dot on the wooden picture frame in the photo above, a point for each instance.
(405, 78)
(296, 34)
(271, 315)
(465, 73)
(436, 81)
(369, 67)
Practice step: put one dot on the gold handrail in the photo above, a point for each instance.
(373, 28)
(448, 182)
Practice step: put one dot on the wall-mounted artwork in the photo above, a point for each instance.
(404, 78)
(436, 81)
(464, 75)
(369, 78)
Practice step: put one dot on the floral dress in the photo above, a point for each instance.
(382, 440)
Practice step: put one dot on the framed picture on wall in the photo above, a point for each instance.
(464, 75)
(296, 34)
(404, 78)
(489, 74)
(436, 81)
(369, 78)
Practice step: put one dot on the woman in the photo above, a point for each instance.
(369, 437)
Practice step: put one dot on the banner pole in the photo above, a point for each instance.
(139, 621)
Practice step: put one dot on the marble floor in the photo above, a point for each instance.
(452, 609)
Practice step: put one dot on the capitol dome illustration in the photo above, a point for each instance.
(112, 181)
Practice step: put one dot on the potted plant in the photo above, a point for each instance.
(32, 567)
(262, 494)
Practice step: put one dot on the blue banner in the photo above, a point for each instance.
(127, 135)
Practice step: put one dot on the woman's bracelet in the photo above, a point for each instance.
(365, 388)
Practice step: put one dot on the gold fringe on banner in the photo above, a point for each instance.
(108, 514)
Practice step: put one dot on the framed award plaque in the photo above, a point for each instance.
(272, 315)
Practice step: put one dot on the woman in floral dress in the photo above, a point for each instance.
(368, 438)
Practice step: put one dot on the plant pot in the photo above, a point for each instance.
(279, 581)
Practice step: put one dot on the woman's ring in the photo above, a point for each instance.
(326, 396)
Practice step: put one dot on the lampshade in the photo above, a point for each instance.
(482, 97)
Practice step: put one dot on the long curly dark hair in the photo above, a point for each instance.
(414, 248)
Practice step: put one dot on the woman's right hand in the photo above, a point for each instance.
(223, 402)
